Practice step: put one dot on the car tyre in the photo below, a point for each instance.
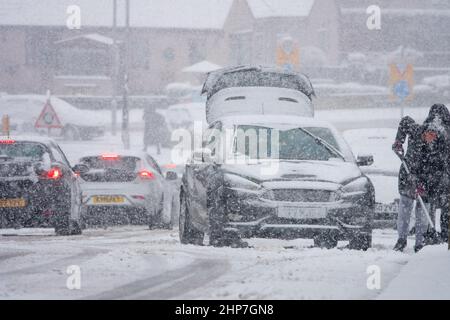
(68, 227)
(188, 234)
(326, 241)
(361, 241)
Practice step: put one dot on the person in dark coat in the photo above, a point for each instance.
(155, 131)
(439, 120)
(426, 160)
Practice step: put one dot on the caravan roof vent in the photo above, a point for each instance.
(288, 99)
(235, 98)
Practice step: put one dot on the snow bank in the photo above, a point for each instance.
(424, 277)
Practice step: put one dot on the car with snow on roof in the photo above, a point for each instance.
(278, 177)
(126, 187)
(38, 188)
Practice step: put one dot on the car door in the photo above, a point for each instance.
(201, 176)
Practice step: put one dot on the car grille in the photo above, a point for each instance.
(302, 195)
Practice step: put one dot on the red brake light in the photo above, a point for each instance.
(53, 174)
(170, 166)
(144, 174)
(9, 141)
(110, 156)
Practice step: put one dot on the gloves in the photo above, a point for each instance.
(398, 148)
(420, 190)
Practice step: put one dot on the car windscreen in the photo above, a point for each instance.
(110, 169)
(23, 150)
(257, 142)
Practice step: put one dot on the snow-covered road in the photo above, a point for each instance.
(136, 263)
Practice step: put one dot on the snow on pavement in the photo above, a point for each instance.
(425, 277)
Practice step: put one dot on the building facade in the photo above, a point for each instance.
(39, 52)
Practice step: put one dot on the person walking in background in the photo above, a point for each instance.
(155, 130)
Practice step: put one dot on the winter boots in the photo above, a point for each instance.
(400, 245)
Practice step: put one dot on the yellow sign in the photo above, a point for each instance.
(288, 55)
(401, 82)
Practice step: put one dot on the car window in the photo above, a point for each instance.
(110, 169)
(59, 155)
(325, 134)
(154, 164)
(31, 150)
(292, 144)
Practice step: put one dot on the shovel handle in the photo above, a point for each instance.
(419, 198)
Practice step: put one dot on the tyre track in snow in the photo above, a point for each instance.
(169, 285)
(84, 255)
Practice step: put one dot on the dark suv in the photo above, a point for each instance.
(38, 188)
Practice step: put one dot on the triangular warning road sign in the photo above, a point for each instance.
(48, 118)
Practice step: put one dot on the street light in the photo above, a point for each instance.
(125, 112)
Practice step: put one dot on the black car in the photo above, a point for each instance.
(38, 188)
(299, 180)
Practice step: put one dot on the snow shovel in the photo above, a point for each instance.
(433, 234)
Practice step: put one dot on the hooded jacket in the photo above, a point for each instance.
(425, 156)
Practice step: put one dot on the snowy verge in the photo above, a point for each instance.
(425, 277)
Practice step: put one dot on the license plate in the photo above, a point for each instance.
(302, 213)
(13, 203)
(108, 199)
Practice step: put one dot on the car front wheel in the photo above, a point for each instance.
(326, 241)
(361, 241)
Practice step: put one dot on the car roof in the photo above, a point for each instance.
(38, 139)
(301, 80)
(122, 153)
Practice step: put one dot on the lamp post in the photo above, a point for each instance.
(115, 71)
(125, 111)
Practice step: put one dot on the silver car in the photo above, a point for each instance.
(125, 188)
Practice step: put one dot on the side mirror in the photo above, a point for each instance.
(364, 160)
(171, 176)
(80, 168)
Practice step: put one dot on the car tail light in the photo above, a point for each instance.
(110, 156)
(147, 175)
(170, 166)
(8, 141)
(54, 173)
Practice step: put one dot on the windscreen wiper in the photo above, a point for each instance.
(328, 146)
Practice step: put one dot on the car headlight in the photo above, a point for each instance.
(357, 187)
(239, 183)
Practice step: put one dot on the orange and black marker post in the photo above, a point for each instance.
(5, 125)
